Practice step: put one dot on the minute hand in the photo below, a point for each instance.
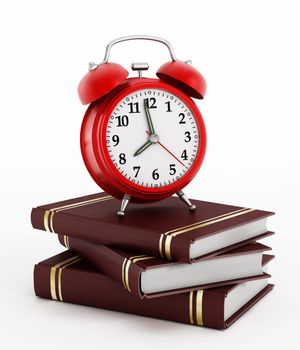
(148, 116)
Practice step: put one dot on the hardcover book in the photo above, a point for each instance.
(164, 229)
(148, 276)
(66, 277)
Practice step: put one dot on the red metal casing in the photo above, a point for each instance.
(183, 76)
(100, 81)
(96, 156)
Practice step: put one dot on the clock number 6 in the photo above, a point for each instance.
(155, 174)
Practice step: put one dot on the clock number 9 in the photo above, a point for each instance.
(116, 140)
(155, 174)
(122, 159)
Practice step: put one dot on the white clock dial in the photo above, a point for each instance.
(152, 137)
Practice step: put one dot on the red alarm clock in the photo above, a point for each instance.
(142, 139)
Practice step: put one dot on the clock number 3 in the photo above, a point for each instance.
(187, 136)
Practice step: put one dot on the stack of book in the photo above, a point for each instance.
(203, 268)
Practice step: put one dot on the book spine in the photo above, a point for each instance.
(122, 269)
(80, 286)
(116, 235)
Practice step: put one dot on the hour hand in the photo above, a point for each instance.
(142, 149)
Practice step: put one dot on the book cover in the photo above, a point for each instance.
(164, 229)
(127, 267)
(66, 277)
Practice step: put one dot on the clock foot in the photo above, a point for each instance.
(125, 201)
(185, 199)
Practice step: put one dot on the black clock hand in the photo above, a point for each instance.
(153, 138)
(142, 149)
(148, 116)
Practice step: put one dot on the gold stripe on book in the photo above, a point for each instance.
(53, 274)
(59, 277)
(143, 258)
(206, 220)
(191, 307)
(52, 283)
(126, 265)
(123, 273)
(66, 242)
(199, 308)
(126, 272)
(46, 218)
(173, 233)
(49, 213)
(160, 245)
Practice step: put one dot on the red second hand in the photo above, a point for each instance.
(167, 150)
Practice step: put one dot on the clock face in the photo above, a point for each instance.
(152, 137)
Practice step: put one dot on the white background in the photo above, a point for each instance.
(249, 53)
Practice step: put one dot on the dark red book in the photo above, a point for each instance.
(164, 229)
(149, 276)
(66, 277)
